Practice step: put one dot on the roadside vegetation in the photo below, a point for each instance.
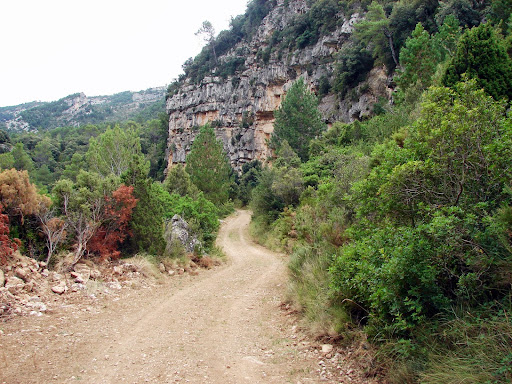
(399, 227)
(99, 192)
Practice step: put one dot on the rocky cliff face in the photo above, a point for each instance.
(240, 107)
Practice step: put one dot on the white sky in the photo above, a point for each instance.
(53, 48)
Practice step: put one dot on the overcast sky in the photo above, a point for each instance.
(53, 48)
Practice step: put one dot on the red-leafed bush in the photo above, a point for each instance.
(7, 246)
(114, 230)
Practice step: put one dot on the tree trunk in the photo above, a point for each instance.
(390, 42)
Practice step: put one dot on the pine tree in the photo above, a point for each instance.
(298, 119)
(208, 166)
(482, 55)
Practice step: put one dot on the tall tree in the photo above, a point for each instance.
(153, 202)
(21, 158)
(298, 119)
(112, 151)
(208, 166)
(208, 33)
(482, 55)
(375, 30)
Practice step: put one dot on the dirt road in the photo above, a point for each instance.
(223, 326)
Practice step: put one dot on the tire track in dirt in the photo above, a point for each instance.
(223, 326)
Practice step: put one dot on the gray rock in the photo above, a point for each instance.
(177, 230)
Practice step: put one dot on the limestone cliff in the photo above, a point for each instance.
(240, 107)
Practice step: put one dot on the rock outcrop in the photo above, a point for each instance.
(177, 231)
(241, 107)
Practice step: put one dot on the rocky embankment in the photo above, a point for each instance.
(29, 288)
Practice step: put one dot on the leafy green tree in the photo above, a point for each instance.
(463, 10)
(288, 183)
(375, 30)
(6, 161)
(298, 120)
(448, 36)
(248, 180)
(83, 205)
(432, 216)
(353, 63)
(208, 166)
(482, 55)
(208, 33)
(44, 153)
(112, 151)
(22, 160)
(153, 139)
(74, 166)
(178, 182)
(419, 58)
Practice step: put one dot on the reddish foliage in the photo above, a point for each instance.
(7, 246)
(118, 212)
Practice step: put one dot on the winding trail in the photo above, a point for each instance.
(223, 326)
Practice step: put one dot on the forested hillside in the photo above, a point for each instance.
(398, 220)
(78, 109)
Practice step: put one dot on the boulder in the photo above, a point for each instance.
(177, 231)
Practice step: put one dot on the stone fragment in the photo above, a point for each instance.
(2, 278)
(327, 348)
(118, 270)
(59, 289)
(22, 273)
(161, 267)
(13, 281)
(95, 274)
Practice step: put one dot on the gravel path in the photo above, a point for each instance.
(223, 326)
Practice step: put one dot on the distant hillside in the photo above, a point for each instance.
(79, 109)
